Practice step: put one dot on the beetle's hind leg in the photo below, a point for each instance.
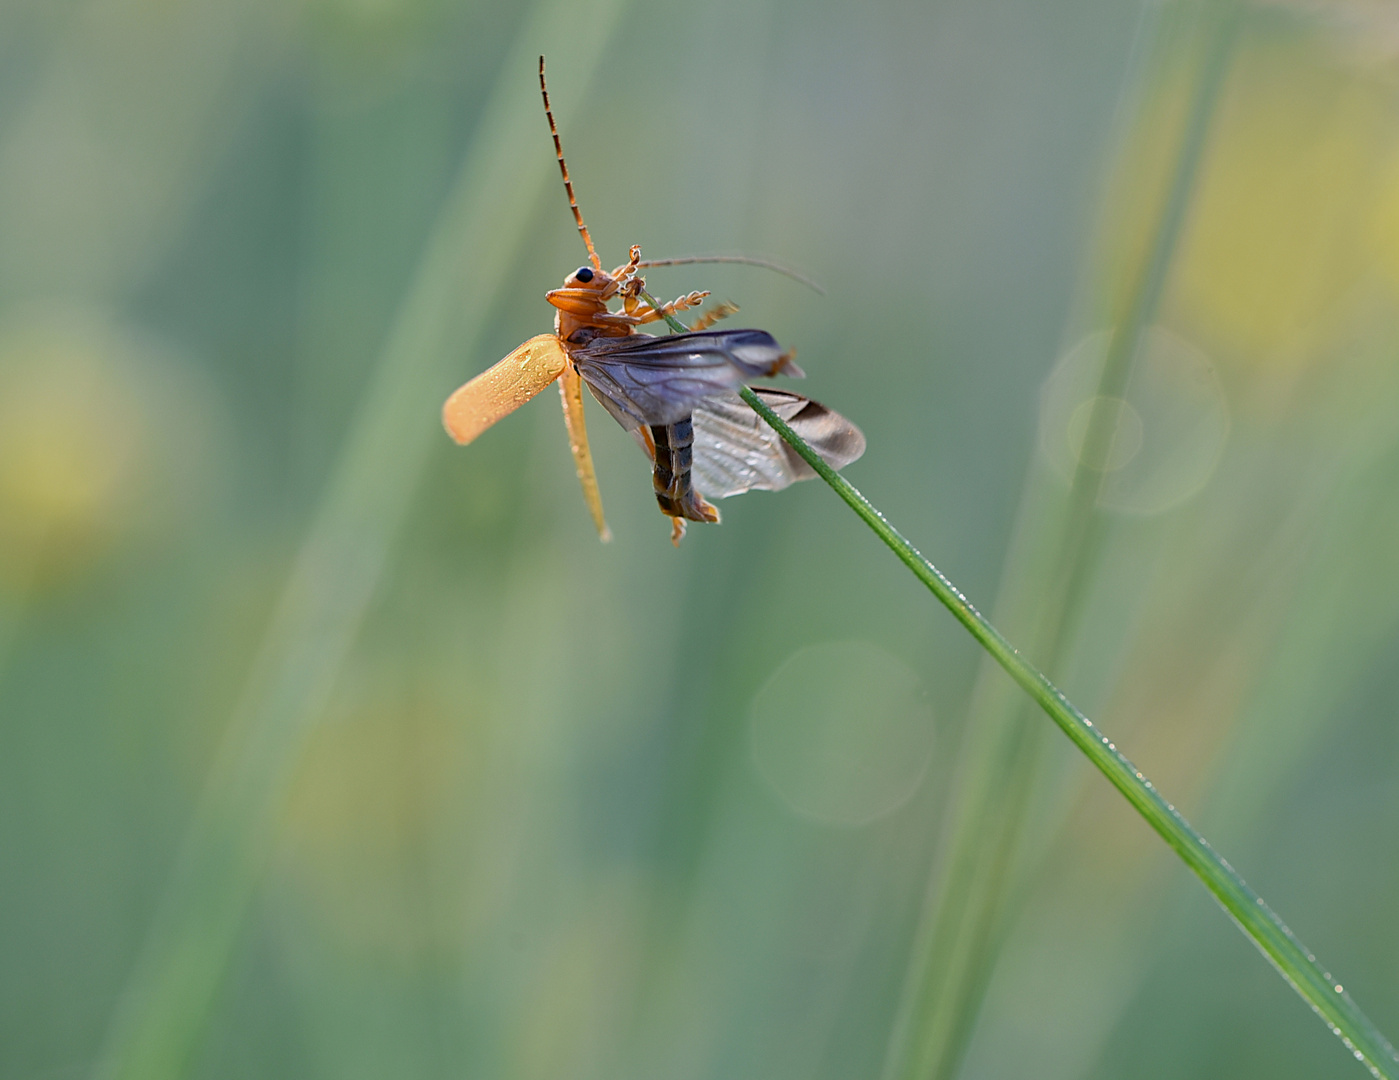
(571, 390)
(713, 315)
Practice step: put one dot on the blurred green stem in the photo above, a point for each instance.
(1318, 988)
(956, 944)
(163, 1011)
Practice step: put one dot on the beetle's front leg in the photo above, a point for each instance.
(628, 268)
(631, 299)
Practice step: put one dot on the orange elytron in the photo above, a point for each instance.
(676, 394)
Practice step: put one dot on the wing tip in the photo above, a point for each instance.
(787, 365)
(461, 434)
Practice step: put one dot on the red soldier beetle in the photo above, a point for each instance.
(676, 394)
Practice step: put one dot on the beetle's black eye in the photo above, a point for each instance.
(584, 273)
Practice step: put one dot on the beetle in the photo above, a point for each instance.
(676, 394)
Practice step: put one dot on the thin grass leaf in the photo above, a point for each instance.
(1294, 962)
(1317, 986)
(958, 940)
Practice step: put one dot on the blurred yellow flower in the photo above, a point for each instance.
(364, 813)
(73, 433)
(1277, 242)
(103, 435)
(1278, 252)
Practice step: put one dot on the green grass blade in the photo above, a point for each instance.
(1294, 962)
(160, 1018)
(982, 866)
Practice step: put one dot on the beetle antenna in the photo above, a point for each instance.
(688, 260)
(567, 183)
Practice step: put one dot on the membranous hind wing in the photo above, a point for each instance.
(676, 394)
(646, 381)
(735, 450)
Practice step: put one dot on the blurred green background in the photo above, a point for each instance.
(328, 748)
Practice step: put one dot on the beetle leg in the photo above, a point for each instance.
(571, 391)
(713, 315)
(681, 303)
(645, 313)
(612, 288)
(628, 267)
(614, 318)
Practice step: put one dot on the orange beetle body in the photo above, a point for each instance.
(675, 394)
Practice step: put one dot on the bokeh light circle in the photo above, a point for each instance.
(841, 732)
(1171, 424)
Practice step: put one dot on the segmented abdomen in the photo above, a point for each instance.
(671, 473)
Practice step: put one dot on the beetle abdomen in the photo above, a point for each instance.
(670, 476)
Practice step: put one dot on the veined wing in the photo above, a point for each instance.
(503, 387)
(643, 380)
(736, 451)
